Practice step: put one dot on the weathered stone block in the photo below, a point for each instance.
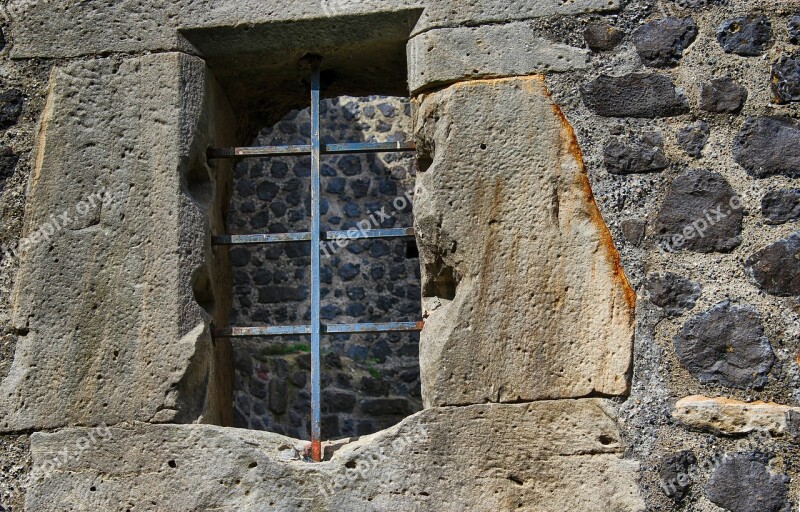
(80, 29)
(693, 138)
(722, 95)
(446, 55)
(643, 153)
(781, 206)
(634, 95)
(114, 304)
(748, 36)
(726, 345)
(743, 483)
(522, 288)
(767, 146)
(733, 417)
(661, 43)
(701, 213)
(776, 267)
(474, 458)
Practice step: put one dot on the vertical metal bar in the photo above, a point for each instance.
(316, 327)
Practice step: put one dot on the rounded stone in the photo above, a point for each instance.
(674, 293)
(776, 268)
(781, 206)
(601, 37)
(655, 94)
(674, 474)
(693, 138)
(743, 483)
(726, 345)
(747, 36)
(701, 213)
(661, 43)
(785, 80)
(722, 95)
(767, 146)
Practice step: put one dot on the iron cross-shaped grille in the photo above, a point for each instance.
(316, 237)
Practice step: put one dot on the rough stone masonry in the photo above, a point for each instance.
(605, 209)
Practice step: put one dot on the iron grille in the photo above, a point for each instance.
(316, 237)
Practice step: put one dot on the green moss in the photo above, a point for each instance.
(281, 349)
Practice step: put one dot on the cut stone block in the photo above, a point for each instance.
(446, 55)
(550, 456)
(522, 288)
(732, 417)
(113, 299)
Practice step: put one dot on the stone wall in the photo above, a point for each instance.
(571, 154)
(370, 381)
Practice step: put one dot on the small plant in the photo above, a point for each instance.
(281, 349)
(375, 373)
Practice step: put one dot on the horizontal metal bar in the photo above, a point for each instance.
(351, 234)
(354, 234)
(369, 147)
(278, 330)
(290, 330)
(305, 149)
(261, 239)
(384, 327)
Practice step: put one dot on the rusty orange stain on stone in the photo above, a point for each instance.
(594, 212)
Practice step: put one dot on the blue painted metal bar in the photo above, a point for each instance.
(369, 147)
(305, 149)
(354, 234)
(261, 239)
(351, 234)
(293, 330)
(380, 327)
(316, 154)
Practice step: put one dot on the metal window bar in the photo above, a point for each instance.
(315, 236)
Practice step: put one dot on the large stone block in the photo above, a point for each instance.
(548, 456)
(446, 55)
(117, 276)
(522, 288)
(63, 29)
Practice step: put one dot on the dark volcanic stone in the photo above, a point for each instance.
(722, 95)
(672, 292)
(776, 267)
(693, 138)
(748, 36)
(726, 345)
(337, 400)
(786, 79)
(698, 214)
(385, 407)
(661, 43)
(793, 27)
(674, 474)
(767, 146)
(640, 154)
(373, 387)
(601, 37)
(633, 231)
(278, 294)
(742, 483)
(781, 206)
(8, 161)
(11, 102)
(634, 95)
